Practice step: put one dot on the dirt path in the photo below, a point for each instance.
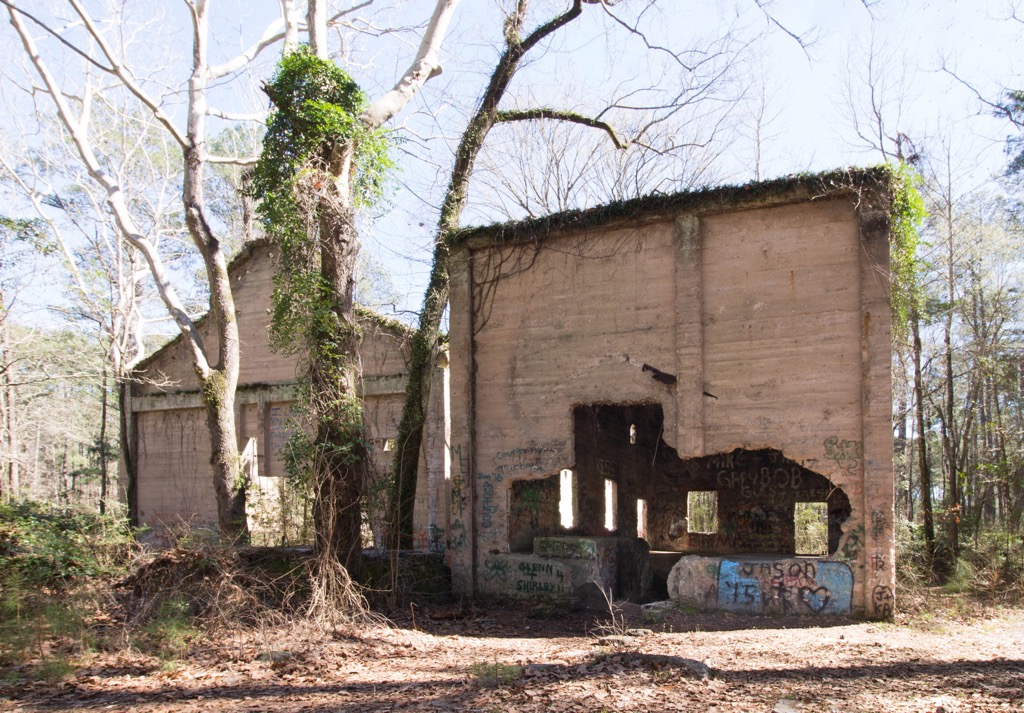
(500, 659)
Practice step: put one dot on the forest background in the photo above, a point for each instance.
(747, 90)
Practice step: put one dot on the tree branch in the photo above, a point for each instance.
(273, 34)
(561, 115)
(228, 116)
(115, 196)
(122, 73)
(232, 160)
(57, 36)
(425, 66)
(548, 27)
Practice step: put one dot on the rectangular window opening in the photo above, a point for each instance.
(611, 498)
(641, 518)
(810, 520)
(567, 498)
(389, 444)
(702, 512)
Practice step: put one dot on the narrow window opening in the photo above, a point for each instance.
(567, 498)
(389, 444)
(702, 512)
(632, 434)
(610, 500)
(641, 518)
(810, 521)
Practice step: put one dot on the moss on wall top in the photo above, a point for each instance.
(873, 185)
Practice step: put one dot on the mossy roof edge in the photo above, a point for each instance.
(794, 188)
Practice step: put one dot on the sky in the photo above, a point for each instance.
(809, 124)
(810, 129)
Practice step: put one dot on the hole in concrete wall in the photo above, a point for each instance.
(702, 512)
(534, 511)
(567, 498)
(389, 444)
(756, 490)
(810, 521)
(611, 499)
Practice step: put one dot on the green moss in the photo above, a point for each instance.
(706, 200)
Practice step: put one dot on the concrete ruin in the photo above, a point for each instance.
(663, 393)
(170, 441)
(682, 396)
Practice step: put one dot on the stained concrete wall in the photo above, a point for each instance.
(171, 441)
(804, 586)
(766, 321)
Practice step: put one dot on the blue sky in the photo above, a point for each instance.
(593, 58)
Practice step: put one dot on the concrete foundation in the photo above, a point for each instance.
(571, 569)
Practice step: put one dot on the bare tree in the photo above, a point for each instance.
(105, 68)
(529, 170)
(107, 289)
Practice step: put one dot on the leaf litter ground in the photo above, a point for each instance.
(947, 659)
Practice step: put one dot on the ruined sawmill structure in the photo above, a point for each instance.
(667, 392)
(684, 396)
(171, 445)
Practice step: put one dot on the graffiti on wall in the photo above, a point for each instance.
(853, 543)
(881, 602)
(521, 460)
(458, 478)
(435, 539)
(788, 586)
(846, 454)
(878, 523)
(771, 484)
(525, 577)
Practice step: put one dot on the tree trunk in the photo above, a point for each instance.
(402, 495)
(340, 447)
(924, 471)
(125, 431)
(219, 400)
(103, 444)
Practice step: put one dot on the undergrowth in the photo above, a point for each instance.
(73, 583)
(988, 570)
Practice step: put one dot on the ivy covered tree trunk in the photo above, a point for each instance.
(402, 497)
(325, 155)
(339, 445)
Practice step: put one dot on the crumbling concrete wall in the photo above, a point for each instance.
(171, 441)
(754, 324)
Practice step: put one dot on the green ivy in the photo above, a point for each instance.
(907, 211)
(316, 117)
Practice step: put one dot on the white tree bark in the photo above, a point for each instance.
(423, 67)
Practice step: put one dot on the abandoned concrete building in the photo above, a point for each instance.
(671, 392)
(683, 395)
(170, 441)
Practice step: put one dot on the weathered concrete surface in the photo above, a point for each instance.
(751, 327)
(571, 568)
(693, 582)
(796, 586)
(171, 443)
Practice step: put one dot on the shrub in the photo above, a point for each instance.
(46, 546)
